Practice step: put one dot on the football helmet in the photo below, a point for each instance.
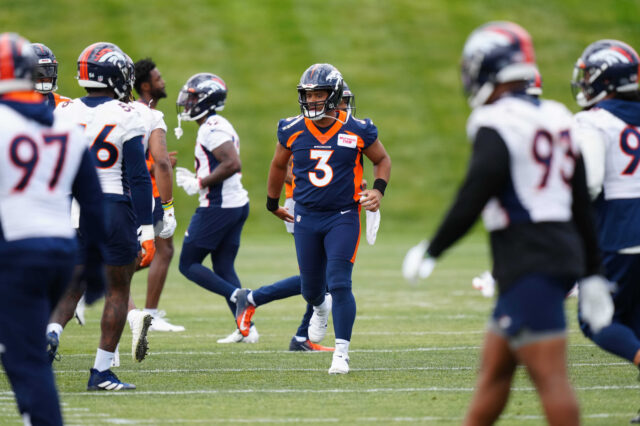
(201, 94)
(17, 63)
(320, 77)
(605, 66)
(497, 52)
(102, 65)
(534, 88)
(47, 68)
(349, 99)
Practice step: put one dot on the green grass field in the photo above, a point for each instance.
(414, 354)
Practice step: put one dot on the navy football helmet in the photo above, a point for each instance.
(201, 94)
(606, 66)
(17, 63)
(534, 88)
(320, 77)
(104, 65)
(46, 69)
(495, 53)
(349, 99)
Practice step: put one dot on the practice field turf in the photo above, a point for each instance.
(414, 354)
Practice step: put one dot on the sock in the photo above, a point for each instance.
(250, 298)
(234, 295)
(103, 360)
(55, 327)
(342, 346)
(300, 339)
(153, 312)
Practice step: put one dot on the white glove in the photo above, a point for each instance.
(187, 181)
(373, 224)
(596, 305)
(168, 223)
(485, 283)
(416, 265)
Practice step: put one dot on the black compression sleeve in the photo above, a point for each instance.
(488, 171)
(583, 217)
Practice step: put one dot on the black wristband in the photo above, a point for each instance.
(272, 204)
(380, 185)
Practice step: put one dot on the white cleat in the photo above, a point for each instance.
(236, 337)
(159, 323)
(79, 313)
(340, 363)
(319, 320)
(139, 322)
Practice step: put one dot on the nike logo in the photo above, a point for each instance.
(243, 326)
(346, 211)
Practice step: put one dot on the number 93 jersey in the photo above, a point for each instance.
(107, 124)
(38, 166)
(327, 167)
(541, 160)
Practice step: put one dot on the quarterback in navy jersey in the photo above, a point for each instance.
(327, 146)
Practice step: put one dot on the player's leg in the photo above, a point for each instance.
(494, 381)
(158, 271)
(63, 311)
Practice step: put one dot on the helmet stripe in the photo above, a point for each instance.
(6, 58)
(82, 63)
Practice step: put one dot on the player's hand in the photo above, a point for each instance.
(146, 237)
(596, 305)
(370, 199)
(187, 181)
(417, 263)
(283, 214)
(173, 158)
(168, 222)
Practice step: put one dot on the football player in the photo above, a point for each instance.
(527, 174)
(151, 88)
(45, 161)
(605, 84)
(327, 147)
(116, 130)
(46, 75)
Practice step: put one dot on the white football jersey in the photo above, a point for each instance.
(230, 193)
(152, 119)
(38, 166)
(107, 126)
(541, 156)
(620, 143)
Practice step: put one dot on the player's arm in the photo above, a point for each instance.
(488, 171)
(162, 170)
(277, 175)
(370, 198)
(229, 164)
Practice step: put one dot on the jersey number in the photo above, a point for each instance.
(106, 153)
(24, 154)
(322, 165)
(543, 147)
(631, 151)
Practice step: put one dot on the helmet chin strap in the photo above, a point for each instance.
(178, 130)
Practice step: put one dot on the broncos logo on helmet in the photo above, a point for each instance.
(17, 62)
(320, 77)
(497, 52)
(46, 71)
(103, 65)
(605, 66)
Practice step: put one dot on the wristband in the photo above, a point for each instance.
(272, 204)
(167, 205)
(380, 185)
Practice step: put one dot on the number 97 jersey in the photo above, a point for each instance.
(327, 163)
(541, 160)
(108, 124)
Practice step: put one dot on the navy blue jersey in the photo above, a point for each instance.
(327, 163)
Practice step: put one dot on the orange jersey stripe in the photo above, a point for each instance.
(292, 138)
(150, 163)
(288, 190)
(24, 96)
(355, 252)
(357, 169)
(59, 99)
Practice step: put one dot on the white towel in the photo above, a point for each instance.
(373, 224)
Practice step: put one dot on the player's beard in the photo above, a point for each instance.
(159, 94)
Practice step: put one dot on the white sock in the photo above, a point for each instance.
(324, 305)
(234, 295)
(103, 360)
(300, 339)
(153, 312)
(55, 327)
(342, 346)
(250, 298)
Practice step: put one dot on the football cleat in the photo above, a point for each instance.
(340, 363)
(319, 320)
(79, 312)
(636, 419)
(139, 322)
(160, 323)
(53, 341)
(307, 346)
(244, 311)
(106, 381)
(237, 337)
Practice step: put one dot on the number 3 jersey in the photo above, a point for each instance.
(609, 137)
(327, 163)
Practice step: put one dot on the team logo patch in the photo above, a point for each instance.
(347, 141)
